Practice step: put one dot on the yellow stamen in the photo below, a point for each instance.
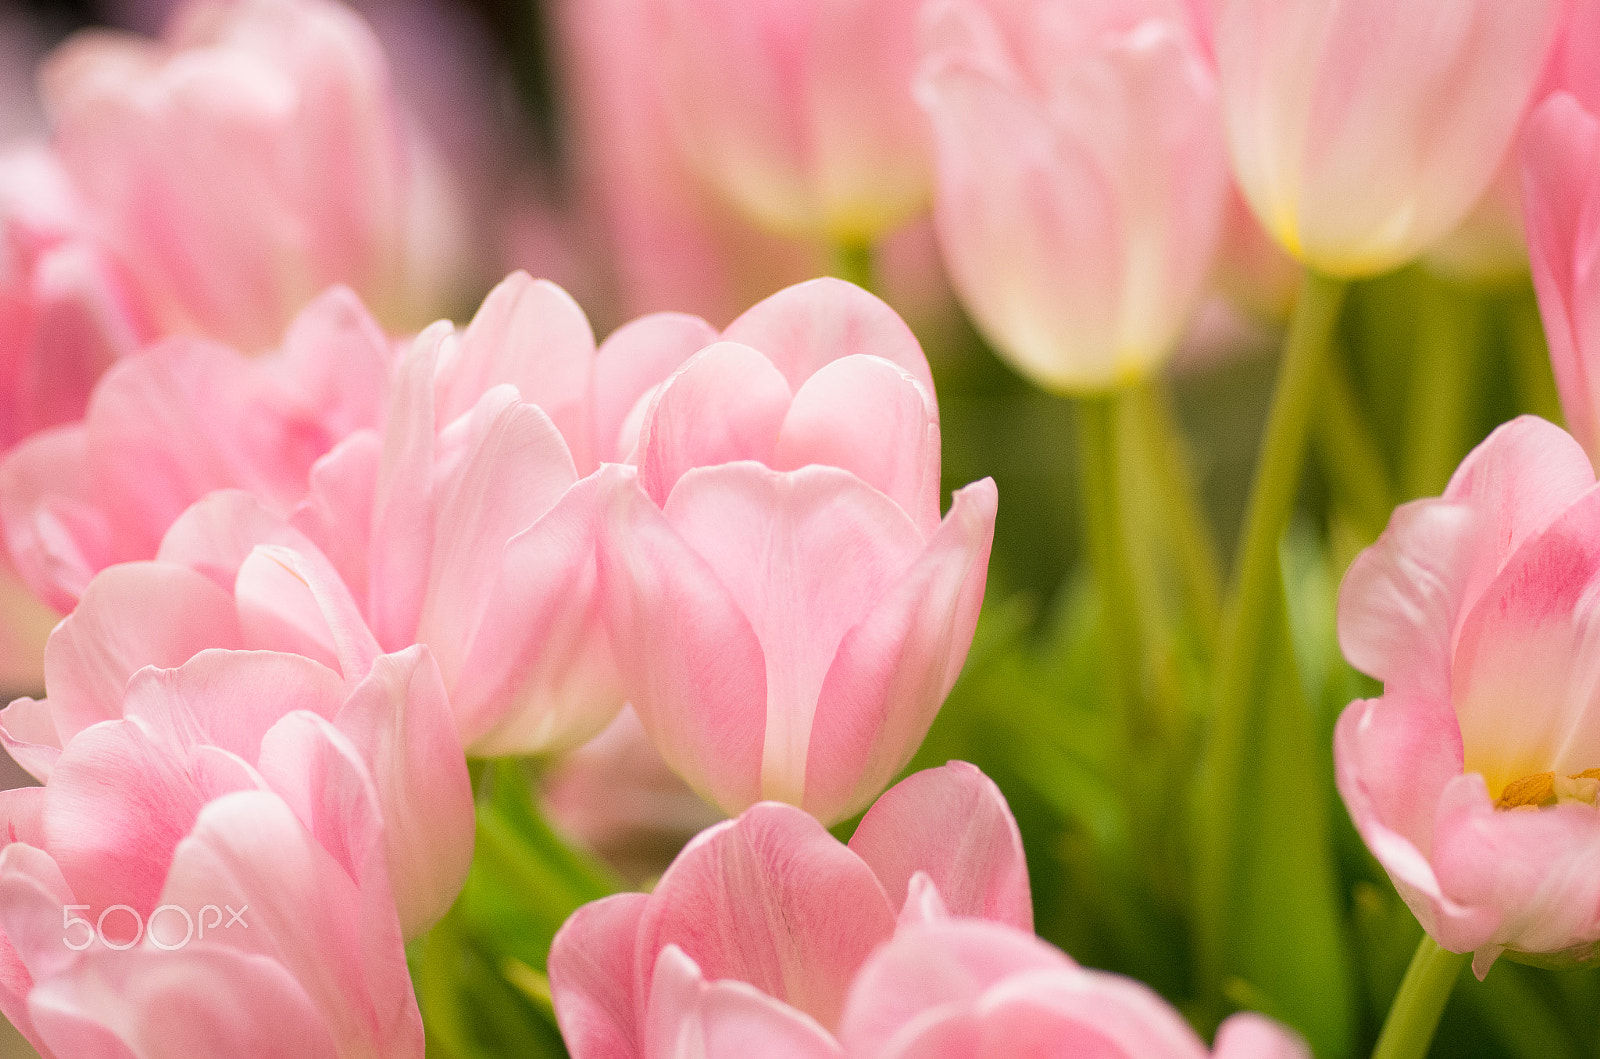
(1530, 792)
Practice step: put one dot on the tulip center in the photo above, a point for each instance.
(1543, 789)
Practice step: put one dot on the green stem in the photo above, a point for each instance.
(853, 261)
(1350, 458)
(1441, 391)
(1258, 594)
(1414, 1015)
(1530, 360)
(1099, 452)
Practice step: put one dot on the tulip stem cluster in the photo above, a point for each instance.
(1258, 595)
(1429, 980)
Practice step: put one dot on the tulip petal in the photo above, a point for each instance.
(337, 510)
(33, 897)
(690, 1018)
(727, 403)
(399, 720)
(871, 418)
(28, 733)
(953, 823)
(895, 666)
(773, 900)
(1251, 1036)
(57, 536)
(807, 326)
(629, 369)
(133, 615)
(592, 978)
(691, 663)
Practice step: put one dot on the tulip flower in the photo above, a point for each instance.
(207, 878)
(206, 655)
(788, 610)
(1560, 151)
(67, 306)
(169, 425)
(1082, 179)
(800, 113)
(751, 939)
(981, 990)
(1472, 778)
(248, 161)
(1362, 133)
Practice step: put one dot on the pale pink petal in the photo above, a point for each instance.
(133, 615)
(531, 334)
(304, 910)
(216, 534)
(57, 536)
(337, 361)
(935, 965)
(297, 595)
(337, 510)
(873, 419)
(229, 699)
(690, 1018)
(22, 816)
(1537, 873)
(539, 674)
(399, 719)
(953, 824)
(894, 668)
(811, 324)
(592, 978)
(806, 555)
(28, 733)
(631, 365)
(199, 1002)
(727, 403)
(773, 900)
(515, 467)
(698, 685)
(1080, 1012)
(1251, 1036)
(33, 896)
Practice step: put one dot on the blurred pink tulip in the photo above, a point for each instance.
(963, 987)
(1561, 193)
(206, 878)
(749, 942)
(1472, 778)
(67, 307)
(215, 613)
(1575, 58)
(674, 243)
(182, 418)
(799, 112)
(1082, 178)
(1363, 132)
(243, 164)
(787, 607)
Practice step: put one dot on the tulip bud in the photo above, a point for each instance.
(1081, 179)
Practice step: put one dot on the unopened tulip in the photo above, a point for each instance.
(1082, 178)
(207, 878)
(751, 939)
(1363, 132)
(67, 307)
(181, 419)
(1472, 778)
(800, 112)
(213, 644)
(1561, 193)
(249, 160)
(788, 609)
(964, 987)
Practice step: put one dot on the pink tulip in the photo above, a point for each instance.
(213, 644)
(749, 943)
(1575, 59)
(1363, 132)
(800, 113)
(1471, 779)
(207, 877)
(1081, 178)
(673, 242)
(1561, 190)
(964, 987)
(249, 160)
(787, 607)
(169, 425)
(67, 307)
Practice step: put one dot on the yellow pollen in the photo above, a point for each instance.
(1543, 789)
